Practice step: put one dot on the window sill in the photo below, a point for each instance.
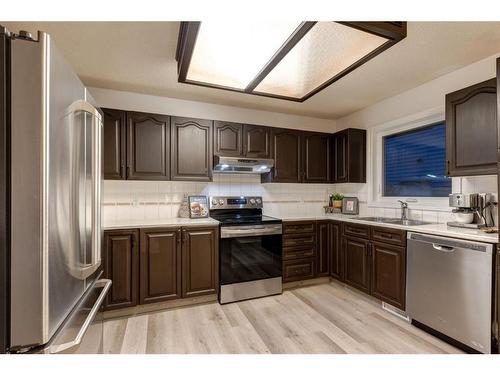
(438, 207)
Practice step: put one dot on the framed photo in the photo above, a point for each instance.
(350, 205)
(198, 206)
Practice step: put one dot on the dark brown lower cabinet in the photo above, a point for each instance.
(121, 265)
(300, 269)
(323, 243)
(388, 274)
(357, 263)
(200, 261)
(336, 251)
(160, 264)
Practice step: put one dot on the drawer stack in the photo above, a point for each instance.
(299, 250)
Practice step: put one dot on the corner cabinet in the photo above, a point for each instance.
(148, 155)
(115, 144)
(191, 147)
(121, 265)
(471, 130)
(349, 156)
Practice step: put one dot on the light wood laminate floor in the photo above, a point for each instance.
(325, 318)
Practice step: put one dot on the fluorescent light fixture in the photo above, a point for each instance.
(283, 59)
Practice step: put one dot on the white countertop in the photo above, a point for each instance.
(440, 229)
(169, 222)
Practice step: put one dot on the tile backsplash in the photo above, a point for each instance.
(152, 200)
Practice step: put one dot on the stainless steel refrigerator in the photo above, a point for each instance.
(51, 288)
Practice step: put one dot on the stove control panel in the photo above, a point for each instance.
(235, 202)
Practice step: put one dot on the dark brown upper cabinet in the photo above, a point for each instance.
(316, 157)
(286, 152)
(471, 130)
(256, 141)
(120, 255)
(115, 145)
(160, 265)
(191, 147)
(200, 261)
(228, 139)
(148, 146)
(349, 156)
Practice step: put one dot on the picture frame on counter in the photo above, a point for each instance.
(350, 205)
(198, 206)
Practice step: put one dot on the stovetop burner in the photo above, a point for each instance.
(227, 220)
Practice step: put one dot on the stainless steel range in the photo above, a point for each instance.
(250, 249)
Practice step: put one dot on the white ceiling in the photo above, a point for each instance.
(140, 57)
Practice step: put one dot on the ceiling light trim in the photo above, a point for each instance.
(393, 31)
(296, 36)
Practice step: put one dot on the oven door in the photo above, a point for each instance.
(249, 253)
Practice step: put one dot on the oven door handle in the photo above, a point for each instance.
(250, 231)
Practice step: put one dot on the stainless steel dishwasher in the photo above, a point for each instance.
(449, 288)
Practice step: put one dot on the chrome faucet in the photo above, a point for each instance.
(404, 210)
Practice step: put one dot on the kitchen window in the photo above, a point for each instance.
(414, 163)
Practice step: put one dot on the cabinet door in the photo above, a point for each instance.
(389, 273)
(323, 243)
(228, 139)
(256, 141)
(300, 269)
(285, 150)
(121, 266)
(192, 158)
(200, 261)
(340, 157)
(357, 263)
(471, 130)
(148, 146)
(114, 144)
(160, 265)
(336, 253)
(316, 157)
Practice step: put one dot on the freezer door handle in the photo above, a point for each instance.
(106, 284)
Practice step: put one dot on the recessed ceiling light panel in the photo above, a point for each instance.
(287, 60)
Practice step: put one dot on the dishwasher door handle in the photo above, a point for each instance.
(443, 248)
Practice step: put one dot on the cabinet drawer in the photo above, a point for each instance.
(298, 240)
(300, 252)
(298, 227)
(295, 270)
(356, 230)
(389, 235)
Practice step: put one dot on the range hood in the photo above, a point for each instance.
(224, 164)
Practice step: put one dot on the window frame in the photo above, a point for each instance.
(414, 130)
(376, 165)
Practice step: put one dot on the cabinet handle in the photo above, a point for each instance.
(128, 171)
(122, 171)
(447, 167)
(179, 236)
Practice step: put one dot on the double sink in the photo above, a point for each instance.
(389, 220)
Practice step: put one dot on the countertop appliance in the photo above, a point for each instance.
(477, 204)
(50, 186)
(250, 249)
(225, 164)
(449, 289)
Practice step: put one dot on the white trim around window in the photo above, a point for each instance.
(375, 157)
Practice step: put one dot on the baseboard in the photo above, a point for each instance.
(158, 306)
(301, 283)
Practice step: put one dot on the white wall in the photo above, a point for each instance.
(177, 107)
(407, 107)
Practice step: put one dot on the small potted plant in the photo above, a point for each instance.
(337, 200)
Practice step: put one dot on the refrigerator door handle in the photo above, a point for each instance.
(96, 128)
(90, 318)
